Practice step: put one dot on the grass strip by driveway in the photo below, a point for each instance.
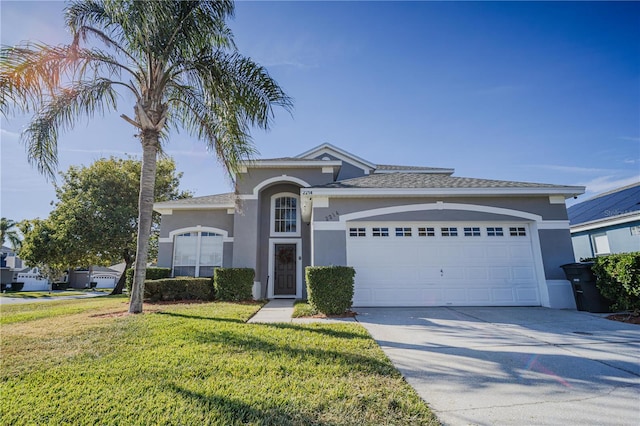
(194, 364)
(46, 294)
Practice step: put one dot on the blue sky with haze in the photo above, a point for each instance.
(543, 92)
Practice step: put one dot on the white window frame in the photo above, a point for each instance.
(471, 231)
(356, 232)
(198, 231)
(272, 218)
(379, 231)
(495, 231)
(598, 249)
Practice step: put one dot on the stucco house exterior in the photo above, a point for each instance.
(416, 236)
(607, 223)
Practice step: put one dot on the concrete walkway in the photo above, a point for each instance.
(281, 310)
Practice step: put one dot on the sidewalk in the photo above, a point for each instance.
(280, 310)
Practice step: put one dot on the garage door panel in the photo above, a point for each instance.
(476, 274)
(441, 270)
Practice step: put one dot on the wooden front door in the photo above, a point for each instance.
(284, 270)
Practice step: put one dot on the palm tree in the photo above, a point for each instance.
(178, 60)
(8, 233)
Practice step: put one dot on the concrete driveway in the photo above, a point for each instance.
(507, 366)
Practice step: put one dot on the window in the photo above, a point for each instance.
(285, 214)
(600, 244)
(197, 254)
(426, 232)
(449, 232)
(357, 232)
(517, 232)
(635, 230)
(380, 232)
(403, 232)
(495, 232)
(471, 232)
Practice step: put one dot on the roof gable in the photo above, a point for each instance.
(334, 151)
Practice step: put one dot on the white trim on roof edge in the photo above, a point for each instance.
(327, 148)
(608, 221)
(275, 164)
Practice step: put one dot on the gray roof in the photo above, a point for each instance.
(223, 199)
(609, 205)
(429, 180)
(390, 167)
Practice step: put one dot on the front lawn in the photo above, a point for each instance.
(86, 362)
(47, 294)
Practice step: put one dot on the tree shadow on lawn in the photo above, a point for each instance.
(328, 330)
(248, 342)
(200, 317)
(231, 411)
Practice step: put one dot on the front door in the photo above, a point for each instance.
(284, 270)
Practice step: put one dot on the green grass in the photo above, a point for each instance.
(303, 309)
(85, 362)
(46, 294)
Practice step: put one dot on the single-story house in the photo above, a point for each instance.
(416, 236)
(102, 276)
(607, 223)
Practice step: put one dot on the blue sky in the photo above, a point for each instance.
(543, 92)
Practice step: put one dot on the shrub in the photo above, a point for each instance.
(330, 288)
(17, 286)
(618, 279)
(151, 274)
(60, 285)
(182, 288)
(233, 284)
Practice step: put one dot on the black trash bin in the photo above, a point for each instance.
(583, 282)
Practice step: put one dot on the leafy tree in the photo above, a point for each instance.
(95, 219)
(176, 58)
(8, 232)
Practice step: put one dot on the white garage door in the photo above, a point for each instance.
(442, 264)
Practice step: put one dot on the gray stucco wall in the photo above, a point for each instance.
(330, 248)
(557, 250)
(442, 216)
(538, 205)
(245, 243)
(264, 230)
(347, 171)
(247, 181)
(190, 218)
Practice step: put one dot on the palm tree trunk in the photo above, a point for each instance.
(150, 145)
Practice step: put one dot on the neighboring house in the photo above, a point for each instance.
(416, 236)
(9, 264)
(607, 223)
(9, 258)
(103, 277)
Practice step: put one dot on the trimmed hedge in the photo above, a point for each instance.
(182, 288)
(151, 274)
(330, 288)
(618, 279)
(233, 284)
(60, 286)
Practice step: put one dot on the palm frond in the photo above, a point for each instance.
(60, 113)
